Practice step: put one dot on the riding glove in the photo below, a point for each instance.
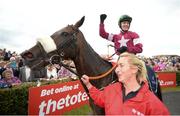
(102, 17)
(122, 49)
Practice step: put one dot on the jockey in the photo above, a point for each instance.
(125, 40)
(128, 41)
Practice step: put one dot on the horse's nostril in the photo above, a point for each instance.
(29, 56)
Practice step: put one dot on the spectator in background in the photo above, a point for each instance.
(14, 54)
(7, 55)
(64, 73)
(2, 68)
(156, 67)
(13, 64)
(162, 64)
(177, 65)
(9, 79)
(20, 64)
(170, 67)
(51, 72)
(1, 55)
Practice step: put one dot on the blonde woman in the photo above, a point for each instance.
(129, 96)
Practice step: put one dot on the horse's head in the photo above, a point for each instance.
(69, 43)
(66, 40)
(62, 43)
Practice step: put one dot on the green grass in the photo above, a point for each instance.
(168, 89)
(83, 110)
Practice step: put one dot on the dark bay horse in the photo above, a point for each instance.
(70, 43)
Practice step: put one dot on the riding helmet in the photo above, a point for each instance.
(125, 18)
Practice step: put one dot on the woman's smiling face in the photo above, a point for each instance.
(124, 69)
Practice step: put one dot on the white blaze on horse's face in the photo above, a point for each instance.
(61, 42)
(47, 43)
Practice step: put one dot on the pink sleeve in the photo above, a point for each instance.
(102, 31)
(97, 96)
(137, 47)
(17, 80)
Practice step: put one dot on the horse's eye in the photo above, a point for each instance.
(64, 34)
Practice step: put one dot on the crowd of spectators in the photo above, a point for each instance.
(168, 63)
(11, 73)
(11, 62)
(55, 71)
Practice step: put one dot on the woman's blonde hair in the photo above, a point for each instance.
(134, 60)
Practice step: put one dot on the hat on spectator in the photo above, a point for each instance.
(7, 71)
(12, 58)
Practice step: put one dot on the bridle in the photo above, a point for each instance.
(58, 57)
(58, 52)
(65, 45)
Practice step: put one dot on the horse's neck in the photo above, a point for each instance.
(90, 63)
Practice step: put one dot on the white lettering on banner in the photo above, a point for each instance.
(166, 83)
(45, 92)
(60, 104)
(52, 105)
(63, 89)
(43, 104)
(76, 86)
(73, 99)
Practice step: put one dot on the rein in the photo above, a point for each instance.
(68, 68)
(104, 74)
(90, 78)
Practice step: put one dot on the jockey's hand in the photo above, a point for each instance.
(102, 17)
(122, 49)
(106, 57)
(85, 80)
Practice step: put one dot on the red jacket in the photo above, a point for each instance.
(144, 103)
(129, 39)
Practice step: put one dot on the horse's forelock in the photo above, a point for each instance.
(48, 43)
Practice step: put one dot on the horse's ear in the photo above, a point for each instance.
(79, 23)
